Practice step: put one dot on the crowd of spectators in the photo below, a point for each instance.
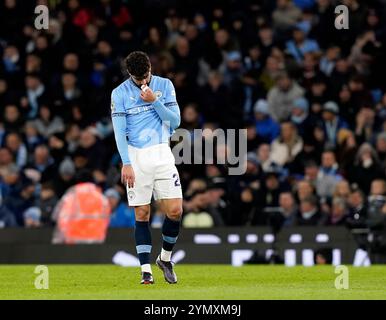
(312, 98)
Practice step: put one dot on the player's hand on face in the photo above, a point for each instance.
(148, 95)
(127, 175)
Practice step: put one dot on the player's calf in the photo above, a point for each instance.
(143, 247)
(170, 227)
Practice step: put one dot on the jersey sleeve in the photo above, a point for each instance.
(169, 111)
(118, 117)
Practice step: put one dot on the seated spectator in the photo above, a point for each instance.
(288, 209)
(357, 208)
(287, 146)
(301, 118)
(66, 177)
(214, 97)
(91, 148)
(304, 189)
(264, 158)
(317, 95)
(347, 148)
(47, 122)
(68, 91)
(218, 201)
(58, 147)
(272, 69)
(267, 128)
(364, 124)
(197, 215)
(20, 199)
(234, 67)
(377, 198)
(72, 135)
(339, 212)
(10, 180)
(244, 191)
(366, 168)
(47, 202)
(308, 157)
(378, 188)
(285, 15)
(32, 217)
(207, 196)
(299, 45)
(311, 170)
(332, 123)
(309, 214)
(282, 96)
(13, 119)
(328, 175)
(42, 165)
(360, 97)
(32, 137)
(381, 149)
(268, 197)
(6, 160)
(195, 185)
(35, 95)
(253, 140)
(15, 144)
(122, 216)
(328, 61)
(190, 118)
(271, 189)
(342, 190)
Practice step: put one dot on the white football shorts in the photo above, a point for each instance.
(155, 174)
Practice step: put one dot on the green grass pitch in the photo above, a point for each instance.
(195, 282)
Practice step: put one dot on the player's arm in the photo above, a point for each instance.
(168, 111)
(118, 117)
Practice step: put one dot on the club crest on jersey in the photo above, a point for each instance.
(112, 106)
(158, 94)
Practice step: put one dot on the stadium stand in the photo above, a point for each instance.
(312, 98)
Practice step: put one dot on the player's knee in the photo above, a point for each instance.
(175, 212)
(142, 214)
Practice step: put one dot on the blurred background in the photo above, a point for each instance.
(312, 99)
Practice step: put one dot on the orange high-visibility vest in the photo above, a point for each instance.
(83, 215)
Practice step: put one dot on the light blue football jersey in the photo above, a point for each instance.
(144, 126)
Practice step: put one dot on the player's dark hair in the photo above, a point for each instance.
(137, 63)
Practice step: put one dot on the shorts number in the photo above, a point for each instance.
(177, 180)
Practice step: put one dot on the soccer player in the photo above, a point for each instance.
(145, 113)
